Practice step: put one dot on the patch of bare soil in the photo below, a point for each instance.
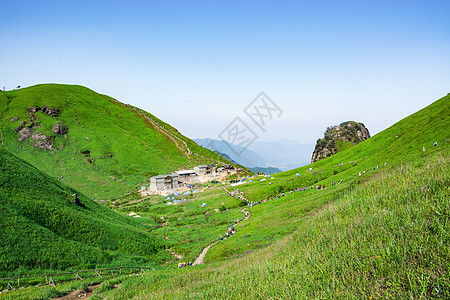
(81, 294)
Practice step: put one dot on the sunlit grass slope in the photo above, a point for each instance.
(386, 238)
(110, 148)
(381, 234)
(43, 229)
(402, 142)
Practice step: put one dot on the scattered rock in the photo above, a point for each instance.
(33, 109)
(21, 126)
(13, 119)
(50, 110)
(38, 137)
(60, 129)
(24, 134)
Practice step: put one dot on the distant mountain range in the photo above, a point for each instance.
(265, 157)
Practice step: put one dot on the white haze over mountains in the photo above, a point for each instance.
(283, 154)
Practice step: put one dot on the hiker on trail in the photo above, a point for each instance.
(423, 149)
(220, 237)
(359, 173)
(435, 144)
(189, 263)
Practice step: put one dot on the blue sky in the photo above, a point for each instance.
(198, 64)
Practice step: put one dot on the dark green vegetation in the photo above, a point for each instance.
(44, 229)
(90, 141)
(383, 234)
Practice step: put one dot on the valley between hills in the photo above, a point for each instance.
(369, 221)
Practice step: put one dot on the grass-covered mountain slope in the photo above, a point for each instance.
(403, 141)
(379, 235)
(386, 238)
(383, 234)
(91, 141)
(43, 228)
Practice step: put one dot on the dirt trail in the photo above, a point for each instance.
(200, 258)
(81, 294)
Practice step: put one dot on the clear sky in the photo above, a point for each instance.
(198, 64)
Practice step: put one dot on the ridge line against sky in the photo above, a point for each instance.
(198, 64)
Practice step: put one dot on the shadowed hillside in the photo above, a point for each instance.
(44, 227)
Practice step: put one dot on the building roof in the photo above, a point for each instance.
(185, 172)
(164, 176)
(205, 166)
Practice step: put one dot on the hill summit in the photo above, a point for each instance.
(339, 137)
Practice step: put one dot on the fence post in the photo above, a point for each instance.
(51, 282)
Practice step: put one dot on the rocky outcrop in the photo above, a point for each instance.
(28, 129)
(50, 110)
(339, 137)
(60, 129)
(24, 134)
(42, 141)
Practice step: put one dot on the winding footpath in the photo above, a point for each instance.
(200, 258)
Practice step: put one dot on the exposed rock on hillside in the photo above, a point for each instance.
(60, 129)
(27, 129)
(50, 110)
(339, 137)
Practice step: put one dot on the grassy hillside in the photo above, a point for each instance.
(44, 229)
(384, 239)
(383, 234)
(109, 148)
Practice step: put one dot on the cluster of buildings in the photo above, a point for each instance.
(184, 178)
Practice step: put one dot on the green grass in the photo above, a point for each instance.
(385, 238)
(110, 148)
(380, 235)
(185, 224)
(43, 229)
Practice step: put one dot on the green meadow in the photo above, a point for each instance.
(376, 229)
